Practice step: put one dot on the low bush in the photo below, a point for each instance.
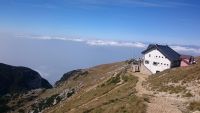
(114, 80)
(194, 106)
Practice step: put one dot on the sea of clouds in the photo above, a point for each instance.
(185, 49)
(52, 56)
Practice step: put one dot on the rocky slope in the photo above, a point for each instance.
(17, 79)
(75, 74)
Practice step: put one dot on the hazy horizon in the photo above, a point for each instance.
(52, 57)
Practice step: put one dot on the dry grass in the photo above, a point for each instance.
(175, 80)
(109, 97)
(95, 76)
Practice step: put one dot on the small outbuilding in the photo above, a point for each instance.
(187, 60)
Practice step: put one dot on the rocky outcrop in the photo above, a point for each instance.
(51, 101)
(18, 79)
(72, 74)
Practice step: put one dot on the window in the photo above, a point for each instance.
(155, 63)
(159, 56)
(149, 55)
(146, 62)
(162, 57)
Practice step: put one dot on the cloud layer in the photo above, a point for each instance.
(93, 42)
(115, 43)
(186, 49)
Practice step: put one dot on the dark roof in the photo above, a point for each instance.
(165, 50)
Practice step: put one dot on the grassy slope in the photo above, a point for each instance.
(180, 75)
(102, 90)
(178, 81)
(96, 74)
(105, 92)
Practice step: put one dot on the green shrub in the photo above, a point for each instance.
(102, 85)
(48, 102)
(114, 80)
(193, 106)
(188, 94)
(125, 78)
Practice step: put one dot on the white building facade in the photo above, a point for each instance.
(155, 61)
(158, 58)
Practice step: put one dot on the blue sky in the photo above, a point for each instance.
(56, 36)
(158, 21)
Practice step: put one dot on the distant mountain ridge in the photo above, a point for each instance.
(73, 73)
(16, 79)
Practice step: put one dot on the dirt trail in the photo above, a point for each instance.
(141, 90)
(157, 104)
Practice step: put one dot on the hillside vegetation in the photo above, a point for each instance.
(114, 88)
(111, 90)
(175, 80)
(184, 82)
(104, 88)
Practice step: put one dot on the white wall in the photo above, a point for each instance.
(163, 62)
